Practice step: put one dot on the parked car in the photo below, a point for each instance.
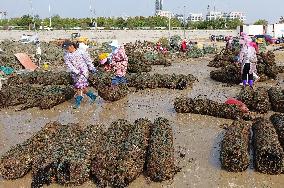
(25, 39)
(217, 37)
(279, 40)
(267, 38)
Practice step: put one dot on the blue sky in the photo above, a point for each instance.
(254, 9)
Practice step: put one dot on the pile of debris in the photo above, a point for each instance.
(72, 154)
(113, 93)
(268, 152)
(266, 65)
(160, 155)
(207, 107)
(146, 80)
(102, 82)
(37, 89)
(224, 58)
(276, 96)
(195, 52)
(174, 81)
(157, 58)
(122, 153)
(142, 55)
(255, 99)
(41, 78)
(262, 100)
(136, 66)
(50, 53)
(235, 148)
(29, 96)
(278, 122)
(230, 72)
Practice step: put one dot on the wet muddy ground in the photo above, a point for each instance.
(197, 137)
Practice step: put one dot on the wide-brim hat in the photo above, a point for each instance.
(114, 43)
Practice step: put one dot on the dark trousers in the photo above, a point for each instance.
(246, 75)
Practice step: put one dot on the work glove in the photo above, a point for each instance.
(109, 57)
(94, 71)
(76, 72)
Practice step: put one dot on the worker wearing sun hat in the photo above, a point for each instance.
(248, 59)
(105, 61)
(119, 62)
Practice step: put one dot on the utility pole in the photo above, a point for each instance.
(91, 12)
(184, 21)
(170, 26)
(49, 10)
(32, 13)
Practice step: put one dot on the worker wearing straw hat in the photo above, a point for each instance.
(105, 61)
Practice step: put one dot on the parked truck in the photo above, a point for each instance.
(251, 30)
(276, 30)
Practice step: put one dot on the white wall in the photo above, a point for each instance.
(278, 30)
(121, 35)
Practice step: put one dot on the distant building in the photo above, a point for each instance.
(158, 5)
(179, 17)
(3, 15)
(193, 17)
(214, 15)
(161, 4)
(235, 15)
(164, 13)
(281, 20)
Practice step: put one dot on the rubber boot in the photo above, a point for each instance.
(251, 83)
(92, 96)
(78, 100)
(244, 83)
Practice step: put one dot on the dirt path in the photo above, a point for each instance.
(196, 136)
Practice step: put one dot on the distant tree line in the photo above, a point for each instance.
(261, 22)
(120, 23)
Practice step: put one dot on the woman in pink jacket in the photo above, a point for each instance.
(248, 60)
(119, 63)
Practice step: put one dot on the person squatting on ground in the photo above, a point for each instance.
(38, 53)
(79, 63)
(183, 47)
(119, 63)
(248, 60)
(105, 61)
(229, 43)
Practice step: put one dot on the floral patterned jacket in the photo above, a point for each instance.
(119, 62)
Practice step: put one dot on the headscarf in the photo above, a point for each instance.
(114, 46)
(245, 39)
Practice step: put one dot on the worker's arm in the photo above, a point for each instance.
(123, 54)
(87, 58)
(241, 58)
(70, 65)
